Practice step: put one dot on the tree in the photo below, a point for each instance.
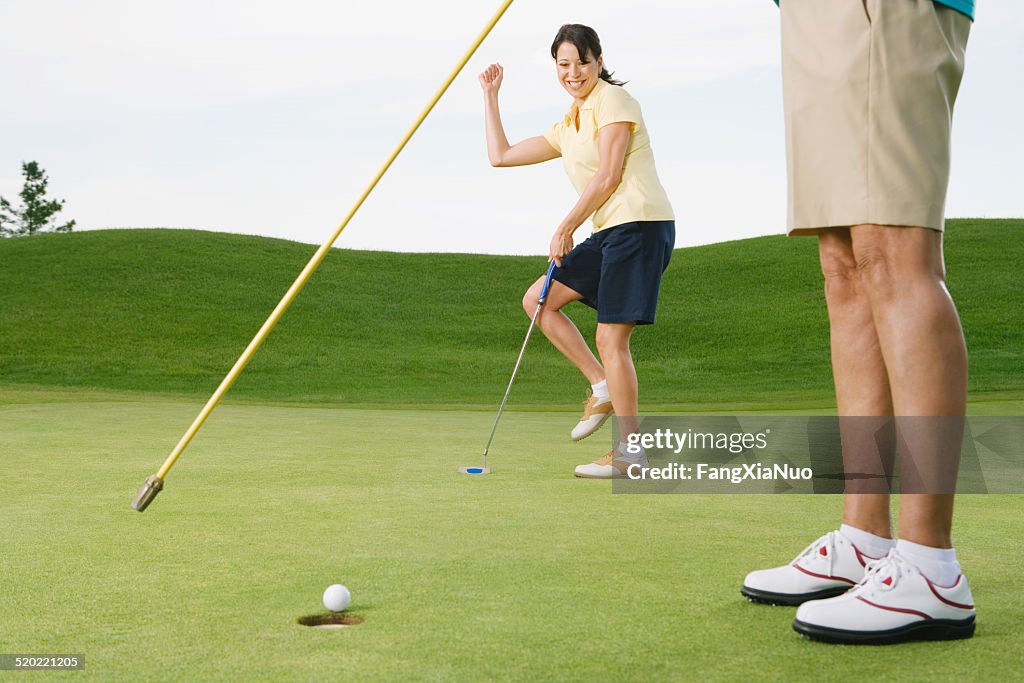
(36, 213)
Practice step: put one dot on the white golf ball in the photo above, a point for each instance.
(337, 598)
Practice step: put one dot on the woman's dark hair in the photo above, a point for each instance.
(587, 43)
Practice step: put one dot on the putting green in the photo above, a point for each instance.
(524, 574)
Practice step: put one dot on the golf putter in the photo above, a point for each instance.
(484, 469)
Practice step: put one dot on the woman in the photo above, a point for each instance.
(607, 154)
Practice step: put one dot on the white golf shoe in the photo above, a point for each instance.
(828, 567)
(595, 414)
(894, 602)
(611, 464)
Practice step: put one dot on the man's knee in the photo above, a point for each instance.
(893, 260)
(839, 267)
(876, 271)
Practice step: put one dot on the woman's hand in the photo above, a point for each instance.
(561, 244)
(490, 79)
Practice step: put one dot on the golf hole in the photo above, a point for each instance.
(331, 620)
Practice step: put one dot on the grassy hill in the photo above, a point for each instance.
(170, 310)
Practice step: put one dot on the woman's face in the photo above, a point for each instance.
(577, 75)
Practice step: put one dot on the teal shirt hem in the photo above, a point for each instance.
(965, 7)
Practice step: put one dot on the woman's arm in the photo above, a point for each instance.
(499, 152)
(613, 141)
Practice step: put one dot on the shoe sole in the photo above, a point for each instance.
(615, 475)
(594, 430)
(790, 599)
(930, 629)
(592, 476)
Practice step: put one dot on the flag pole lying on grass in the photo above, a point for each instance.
(155, 483)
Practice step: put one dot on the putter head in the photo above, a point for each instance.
(153, 486)
(475, 470)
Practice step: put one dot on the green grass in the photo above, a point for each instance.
(527, 574)
(741, 324)
(110, 341)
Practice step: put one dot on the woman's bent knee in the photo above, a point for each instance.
(612, 339)
(531, 296)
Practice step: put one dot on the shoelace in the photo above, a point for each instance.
(586, 404)
(891, 566)
(829, 541)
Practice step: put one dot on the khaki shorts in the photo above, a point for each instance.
(868, 88)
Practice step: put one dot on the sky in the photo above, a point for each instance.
(270, 118)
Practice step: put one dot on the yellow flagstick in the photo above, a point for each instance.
(155, 483)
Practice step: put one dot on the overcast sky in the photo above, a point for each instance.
(269, 118)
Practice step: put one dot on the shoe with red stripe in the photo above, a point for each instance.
(894, 603)
(826, 568)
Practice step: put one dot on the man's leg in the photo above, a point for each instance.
(917, 591)
(835, 562)
(923, 345)
(861, 381)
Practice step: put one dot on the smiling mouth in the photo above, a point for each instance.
(575, 85)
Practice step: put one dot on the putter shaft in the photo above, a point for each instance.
(533, 321)
(515, 370)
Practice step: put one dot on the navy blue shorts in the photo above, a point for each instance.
(618, 270)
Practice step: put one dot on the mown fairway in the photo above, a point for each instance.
(526, 574)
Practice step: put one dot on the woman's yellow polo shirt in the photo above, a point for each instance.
(640, 196)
